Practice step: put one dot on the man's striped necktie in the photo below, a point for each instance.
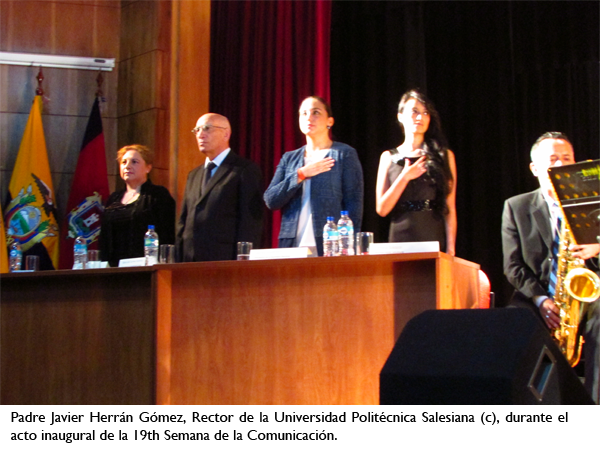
(555, 246)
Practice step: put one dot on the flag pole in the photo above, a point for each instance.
(99, 81)
(40, 78)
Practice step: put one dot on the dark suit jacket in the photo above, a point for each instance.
(229, 211)
(526, 244)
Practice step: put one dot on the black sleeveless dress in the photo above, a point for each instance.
(416, 217)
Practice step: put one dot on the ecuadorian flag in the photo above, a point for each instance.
(3, 255)
(31, 213)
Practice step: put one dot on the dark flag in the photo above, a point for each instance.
(88, 192)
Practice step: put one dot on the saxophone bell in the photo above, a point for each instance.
(583, 285)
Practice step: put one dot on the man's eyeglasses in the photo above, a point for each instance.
(206, 128)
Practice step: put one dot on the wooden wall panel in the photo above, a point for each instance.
(28, 26)
(105, 39)
(4, 24)
(68, 34)
(144, 82)
(139, 28)
(110, 139)
(107, 3)
(137, 85)
(134, 126)
(190, 69)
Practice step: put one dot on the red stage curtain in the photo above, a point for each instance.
(266, 56)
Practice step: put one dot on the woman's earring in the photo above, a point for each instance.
(329, 127)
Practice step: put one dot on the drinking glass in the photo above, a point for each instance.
(93, 261)
(166, 254)
(32, 263)
(364, 239)
(243, 251)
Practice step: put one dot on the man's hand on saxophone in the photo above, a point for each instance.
(550, 313)
(585, 251)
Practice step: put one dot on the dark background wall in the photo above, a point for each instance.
(500, 74)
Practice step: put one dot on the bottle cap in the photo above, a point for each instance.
(151, 227)
(344, 213)
(329, 219)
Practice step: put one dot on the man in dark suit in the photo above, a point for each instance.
(529, 224)
(222, 204)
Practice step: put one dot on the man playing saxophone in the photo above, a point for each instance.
(530, 223)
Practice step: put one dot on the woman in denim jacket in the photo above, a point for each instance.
(317, 180)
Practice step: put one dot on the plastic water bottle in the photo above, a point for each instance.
(16, 256)
(151, 246)
(331, 238)
(79, 252)
(346, 230)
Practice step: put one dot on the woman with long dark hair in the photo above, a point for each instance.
(416, 181)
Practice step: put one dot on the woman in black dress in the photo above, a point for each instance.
(416, 181)
(129, 211)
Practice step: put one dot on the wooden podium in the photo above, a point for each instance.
(302, 331)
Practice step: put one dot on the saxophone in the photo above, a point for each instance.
(576, 286)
